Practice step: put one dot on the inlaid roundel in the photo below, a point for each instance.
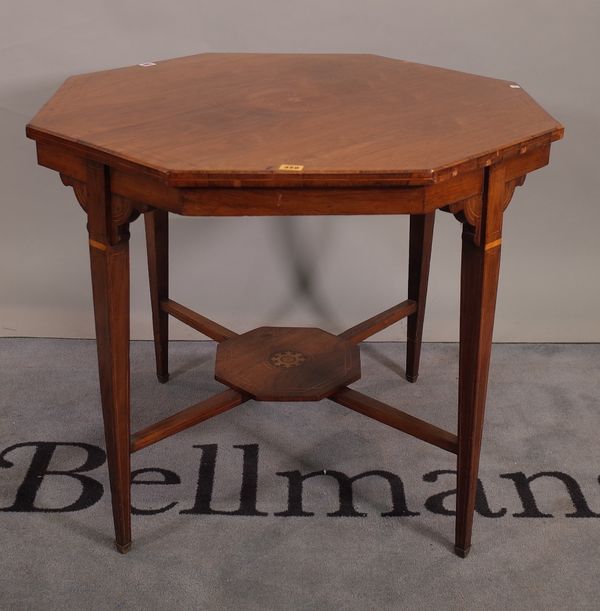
(287, 364)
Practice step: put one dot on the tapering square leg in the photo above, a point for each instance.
(479, 281)
(420, 241)
(109, 257)
(157, 244)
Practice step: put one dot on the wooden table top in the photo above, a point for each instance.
(220, 119)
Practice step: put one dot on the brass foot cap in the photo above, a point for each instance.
(123, 549)
(462, 553)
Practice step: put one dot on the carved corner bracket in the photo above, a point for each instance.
(123, 210)
(78, 188)
(470, 211)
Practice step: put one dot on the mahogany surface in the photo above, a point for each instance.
(380, 321)
(419, 258)
(269, 134)
(190, 416)
(233, 119)
(157, 247)
(396, 418)
(287, 364)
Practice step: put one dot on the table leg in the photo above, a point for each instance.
(421, 237)
(480, 266)
(109, 256)
(157, 245)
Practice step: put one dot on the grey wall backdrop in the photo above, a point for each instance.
(330, 272)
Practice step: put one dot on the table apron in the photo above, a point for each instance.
(144, 190)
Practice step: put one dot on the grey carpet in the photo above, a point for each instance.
(542, 417)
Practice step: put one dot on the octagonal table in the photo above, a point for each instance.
(268, 134)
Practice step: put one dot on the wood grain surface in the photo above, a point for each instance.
(223, 119)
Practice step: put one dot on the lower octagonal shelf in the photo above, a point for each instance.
(287, 363)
